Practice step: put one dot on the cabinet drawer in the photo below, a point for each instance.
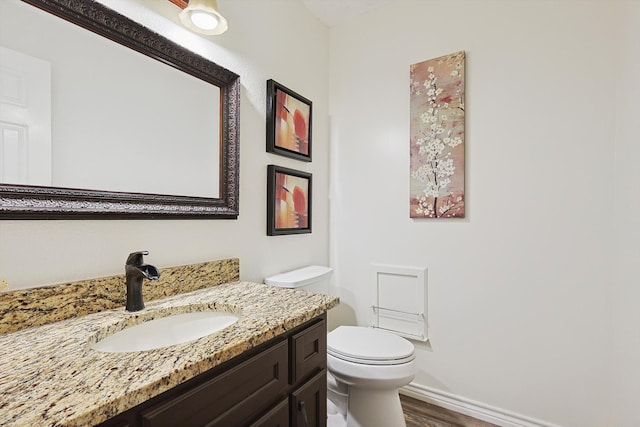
(230, 398)
(308, 351)
(308, 404)
(277, 417)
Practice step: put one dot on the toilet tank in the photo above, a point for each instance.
(314, 278)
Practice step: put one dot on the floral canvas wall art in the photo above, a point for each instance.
(437, 137)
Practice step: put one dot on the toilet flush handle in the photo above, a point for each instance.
(303, 409)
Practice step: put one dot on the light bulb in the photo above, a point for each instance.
(204, 20)
(202, 16)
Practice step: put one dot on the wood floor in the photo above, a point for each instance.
(421, 414)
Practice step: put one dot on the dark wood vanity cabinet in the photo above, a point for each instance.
(282, 383)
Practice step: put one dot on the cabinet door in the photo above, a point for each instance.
(308, 351)
(308, 405)
(277, 417)
(117, 423)
(230, 399)
(126, 419)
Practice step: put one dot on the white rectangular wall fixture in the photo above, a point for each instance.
(399, 302)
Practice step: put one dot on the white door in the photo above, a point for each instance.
(25, 119)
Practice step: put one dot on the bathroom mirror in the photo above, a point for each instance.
(207, 158)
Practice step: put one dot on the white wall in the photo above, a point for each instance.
(626, 293)
(521, 290)
(276, 39)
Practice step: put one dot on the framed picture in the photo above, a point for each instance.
(436, 132)
(288, 122)
(288, 201)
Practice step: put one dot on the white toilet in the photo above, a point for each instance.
(366, 366)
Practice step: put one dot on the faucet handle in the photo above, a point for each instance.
(135, 258)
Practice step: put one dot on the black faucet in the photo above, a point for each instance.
(135, 271)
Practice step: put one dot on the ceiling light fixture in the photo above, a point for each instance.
(202, 16)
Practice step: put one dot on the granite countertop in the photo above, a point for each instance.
(49, 375)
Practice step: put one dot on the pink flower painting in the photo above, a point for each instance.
(437, 137)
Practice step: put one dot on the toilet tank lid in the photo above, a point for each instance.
(300, 277)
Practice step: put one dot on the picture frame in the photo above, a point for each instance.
(289, 197)
(437, 137)
(289, 120)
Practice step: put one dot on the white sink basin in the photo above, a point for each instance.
(166, 331)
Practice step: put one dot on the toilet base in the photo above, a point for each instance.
(336, 420)
(365, 408)
(374, 408)
(369, 393)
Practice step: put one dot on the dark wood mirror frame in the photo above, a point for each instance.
(33, 202)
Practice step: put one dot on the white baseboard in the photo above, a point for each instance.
(471, 408)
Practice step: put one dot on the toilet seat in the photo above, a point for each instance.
(369, 346)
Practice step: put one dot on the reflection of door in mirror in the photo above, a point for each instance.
(116, 114)
(25, 119)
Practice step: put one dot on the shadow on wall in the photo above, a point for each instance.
(343, 314)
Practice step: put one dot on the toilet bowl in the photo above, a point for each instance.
(366, 366)
(372, 364)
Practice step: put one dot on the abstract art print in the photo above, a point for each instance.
(288, 201)
(288, 122)
(437, 137)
